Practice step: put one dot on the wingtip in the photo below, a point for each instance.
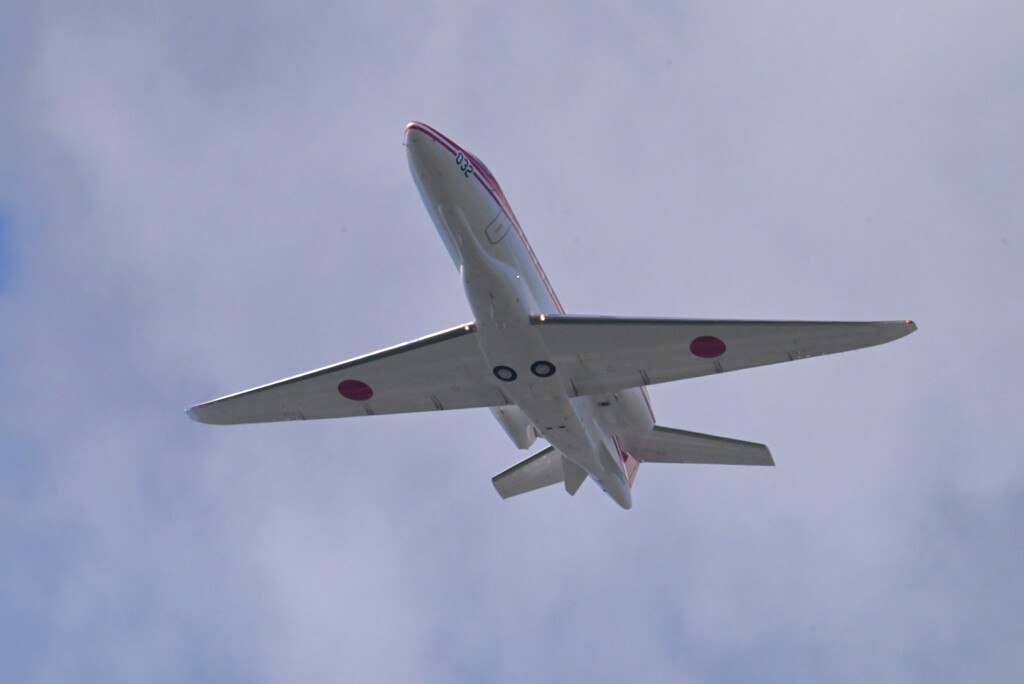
(897, 329)
(194, 414)
(905, 327)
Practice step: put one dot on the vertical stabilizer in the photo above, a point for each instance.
(574, 476)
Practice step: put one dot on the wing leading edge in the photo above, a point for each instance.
(441, 371)
(604, 353)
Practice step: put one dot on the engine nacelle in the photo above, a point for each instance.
(517, 426)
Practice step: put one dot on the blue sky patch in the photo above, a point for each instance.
(6, 257)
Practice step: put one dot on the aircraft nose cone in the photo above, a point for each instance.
(421, 150)
(431, 160)
(413, 132)
(421, 138)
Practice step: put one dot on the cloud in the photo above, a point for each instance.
(196, 200)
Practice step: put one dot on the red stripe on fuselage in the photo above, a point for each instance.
(498, 196)
(629, 464)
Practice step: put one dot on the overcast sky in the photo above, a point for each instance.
(204, 197)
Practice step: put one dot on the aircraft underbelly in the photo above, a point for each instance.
(504, 288)
(503, 303)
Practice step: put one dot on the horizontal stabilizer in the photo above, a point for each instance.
(668, 445)
(540, 470)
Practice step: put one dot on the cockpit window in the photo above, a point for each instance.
(486, 171)
(476, 160)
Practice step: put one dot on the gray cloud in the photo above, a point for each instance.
(201, 199)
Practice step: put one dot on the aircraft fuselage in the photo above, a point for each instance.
(507, 290)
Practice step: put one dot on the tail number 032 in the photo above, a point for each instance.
(462, 161)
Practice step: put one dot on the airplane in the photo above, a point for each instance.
(579, 382)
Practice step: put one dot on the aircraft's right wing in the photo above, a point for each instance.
(441, 371)
(596, 354)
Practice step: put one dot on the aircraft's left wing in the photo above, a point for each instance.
(595, 354)
(441, 371)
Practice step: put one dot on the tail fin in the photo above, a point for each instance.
(544, 468)
(668, 445)
(574, 476)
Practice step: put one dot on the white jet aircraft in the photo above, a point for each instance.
(577, 381)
